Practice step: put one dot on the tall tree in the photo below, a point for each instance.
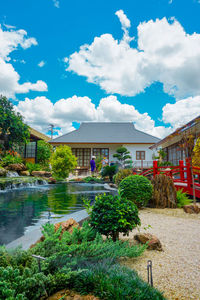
(13, 131)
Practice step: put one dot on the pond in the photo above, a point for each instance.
(24, 209)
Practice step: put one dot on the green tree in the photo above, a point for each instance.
(63, 161)
(113, 214)
(123, 156)
(13, 131)
(44, 151)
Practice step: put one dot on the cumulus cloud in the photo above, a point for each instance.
(11, 40)
(41, 63)
(77, 109)
(56, 3)
(181, 112)
(164, 53)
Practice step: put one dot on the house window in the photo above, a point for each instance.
(140, 155)
(101, 152)
(30, 150)
(83, 156)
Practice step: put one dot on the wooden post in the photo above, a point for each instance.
(189, 175)
(155, 168)
(181, 166)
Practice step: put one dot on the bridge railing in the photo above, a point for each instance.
(185, 176)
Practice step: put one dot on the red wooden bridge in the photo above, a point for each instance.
(181, 175)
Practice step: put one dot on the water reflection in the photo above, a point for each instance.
(20, 209)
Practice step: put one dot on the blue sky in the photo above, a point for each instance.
(152, 80)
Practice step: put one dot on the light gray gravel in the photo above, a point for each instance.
(176, 271)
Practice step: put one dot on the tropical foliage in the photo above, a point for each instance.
(44, 151)
(13, 131)
(63, 161)
(109, 171)
(182, 198)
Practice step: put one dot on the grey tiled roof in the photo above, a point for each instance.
(106, 132)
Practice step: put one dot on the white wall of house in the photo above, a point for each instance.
(131, 147)
(140, 147)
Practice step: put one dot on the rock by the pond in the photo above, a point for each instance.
(153, 242)
(69, 295)
(112, 185)
(25, 173)
(2, 172)
(191, 209)
(66, 226)
(41, 174)
(16, 167)
(51, 180)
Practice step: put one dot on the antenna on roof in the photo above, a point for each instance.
(51, 129)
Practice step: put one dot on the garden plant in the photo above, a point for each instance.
(63, 162)
(136, 188)
(80, 260)
(112, 215)
(123, 156)
(121, 174)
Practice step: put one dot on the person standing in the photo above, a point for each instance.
(93, 165)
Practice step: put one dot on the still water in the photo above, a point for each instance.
(23, 209)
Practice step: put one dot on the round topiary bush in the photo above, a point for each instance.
(136, 188)
(113, 214)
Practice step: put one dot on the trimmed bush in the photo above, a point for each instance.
(113, 214)
(136, 188)
(123, 173)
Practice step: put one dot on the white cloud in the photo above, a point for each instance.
(181, 112)
(41, 63)
(11, 40)
(164, 53)
(78, 109)
(56, 3)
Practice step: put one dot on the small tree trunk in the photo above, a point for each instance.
(115, 236)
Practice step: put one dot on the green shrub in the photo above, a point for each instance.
(112, 281)
(63, 162)
(80, 260)
(136, 188)
(123, 173)
(11, 159)
(98, 162)
(109, 171)
(91, 179)
(112, 215)
(44, 151)
(182, 198)
(33, 167)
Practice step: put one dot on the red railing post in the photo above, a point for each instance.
(155, 168)
(181, 166)
(189, 175)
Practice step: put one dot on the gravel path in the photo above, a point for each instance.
(176, 271)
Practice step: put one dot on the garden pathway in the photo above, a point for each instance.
(176, 271)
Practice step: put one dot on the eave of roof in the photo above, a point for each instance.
(175, 136)
(38, 135)
(106, 133)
